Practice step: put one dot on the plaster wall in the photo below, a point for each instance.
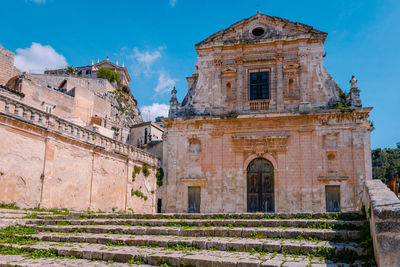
(296, 146)
(66, 166)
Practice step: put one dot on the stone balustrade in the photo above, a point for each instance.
(20, 111)
(383, 210)
(259, 105)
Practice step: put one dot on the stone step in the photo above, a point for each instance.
(24, 261)
(298, 223)
(269, 232)
(218, 243)
(157, 256)
(253, 216)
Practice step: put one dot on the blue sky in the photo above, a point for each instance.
(155, 39)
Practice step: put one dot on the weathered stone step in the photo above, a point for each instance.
(218, 243)
(157, 256)
(252, 216)
(270, 232)
(298, 223)
(23, 261)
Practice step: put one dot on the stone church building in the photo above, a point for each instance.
(263, 126)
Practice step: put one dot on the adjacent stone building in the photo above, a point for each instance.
(86, 100)
(264, 127)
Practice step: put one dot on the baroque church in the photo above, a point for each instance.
(264, 127)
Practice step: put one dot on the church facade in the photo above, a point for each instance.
(264, 127)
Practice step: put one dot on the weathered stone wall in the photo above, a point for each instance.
(383, 210)
(49, 162)
(6, 65)
(299, 147)
(292, 54)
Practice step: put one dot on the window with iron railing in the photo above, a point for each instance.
(259, 85)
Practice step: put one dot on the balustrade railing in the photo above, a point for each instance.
(259, 105)
(16, 109)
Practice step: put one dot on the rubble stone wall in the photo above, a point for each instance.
(383, 210)
(6, 65)
(49, 162)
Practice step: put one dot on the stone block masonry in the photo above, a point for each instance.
(6, 65)
(48, 162)
(383, 209)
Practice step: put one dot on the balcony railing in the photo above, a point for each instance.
(259, 105)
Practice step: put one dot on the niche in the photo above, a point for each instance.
(332, 163)
(291, 87)
(228, 90)
(194, 145)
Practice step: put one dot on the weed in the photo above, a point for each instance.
(9, 206)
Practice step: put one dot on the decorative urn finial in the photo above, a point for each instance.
(353, 82)
(355, 93)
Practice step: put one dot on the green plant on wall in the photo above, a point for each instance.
(136, 170)
(125, 103)
(160, 176)
(344, 103)
(145, 170)
(138, 194)
(110, 75)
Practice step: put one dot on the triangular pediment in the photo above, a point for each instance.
(260, 28)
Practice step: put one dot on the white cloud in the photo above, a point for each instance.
(146, 58)
(165, 83)
(153, 111)
(38, 58)
(39, 1)
(142, 59)
(172, 2)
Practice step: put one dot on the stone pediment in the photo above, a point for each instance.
(259, 28)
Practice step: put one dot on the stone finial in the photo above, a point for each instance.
(123, 65)
(98, 60)
(108, 58)
(116, 62)
(353, 82)
(173, 103)
(92, 62)
(355, 93)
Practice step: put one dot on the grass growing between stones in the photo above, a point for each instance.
(35, 254)
(17, 235)
(11, 206)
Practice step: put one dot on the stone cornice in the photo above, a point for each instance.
(317, 113)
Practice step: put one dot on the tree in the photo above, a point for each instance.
(110, 75)
(385, 164)
(69, 70)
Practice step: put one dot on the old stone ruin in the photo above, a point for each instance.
(265, 162)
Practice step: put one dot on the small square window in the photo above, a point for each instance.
(259, 85)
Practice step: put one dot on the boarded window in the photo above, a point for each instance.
(332, 198)
(194, 199)
(259, 85)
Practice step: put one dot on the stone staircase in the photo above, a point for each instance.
(254, 239)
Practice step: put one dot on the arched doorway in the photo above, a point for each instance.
(260, 186)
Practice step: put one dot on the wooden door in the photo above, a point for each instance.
(332, 198)
(260, 186)
(194, 199)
